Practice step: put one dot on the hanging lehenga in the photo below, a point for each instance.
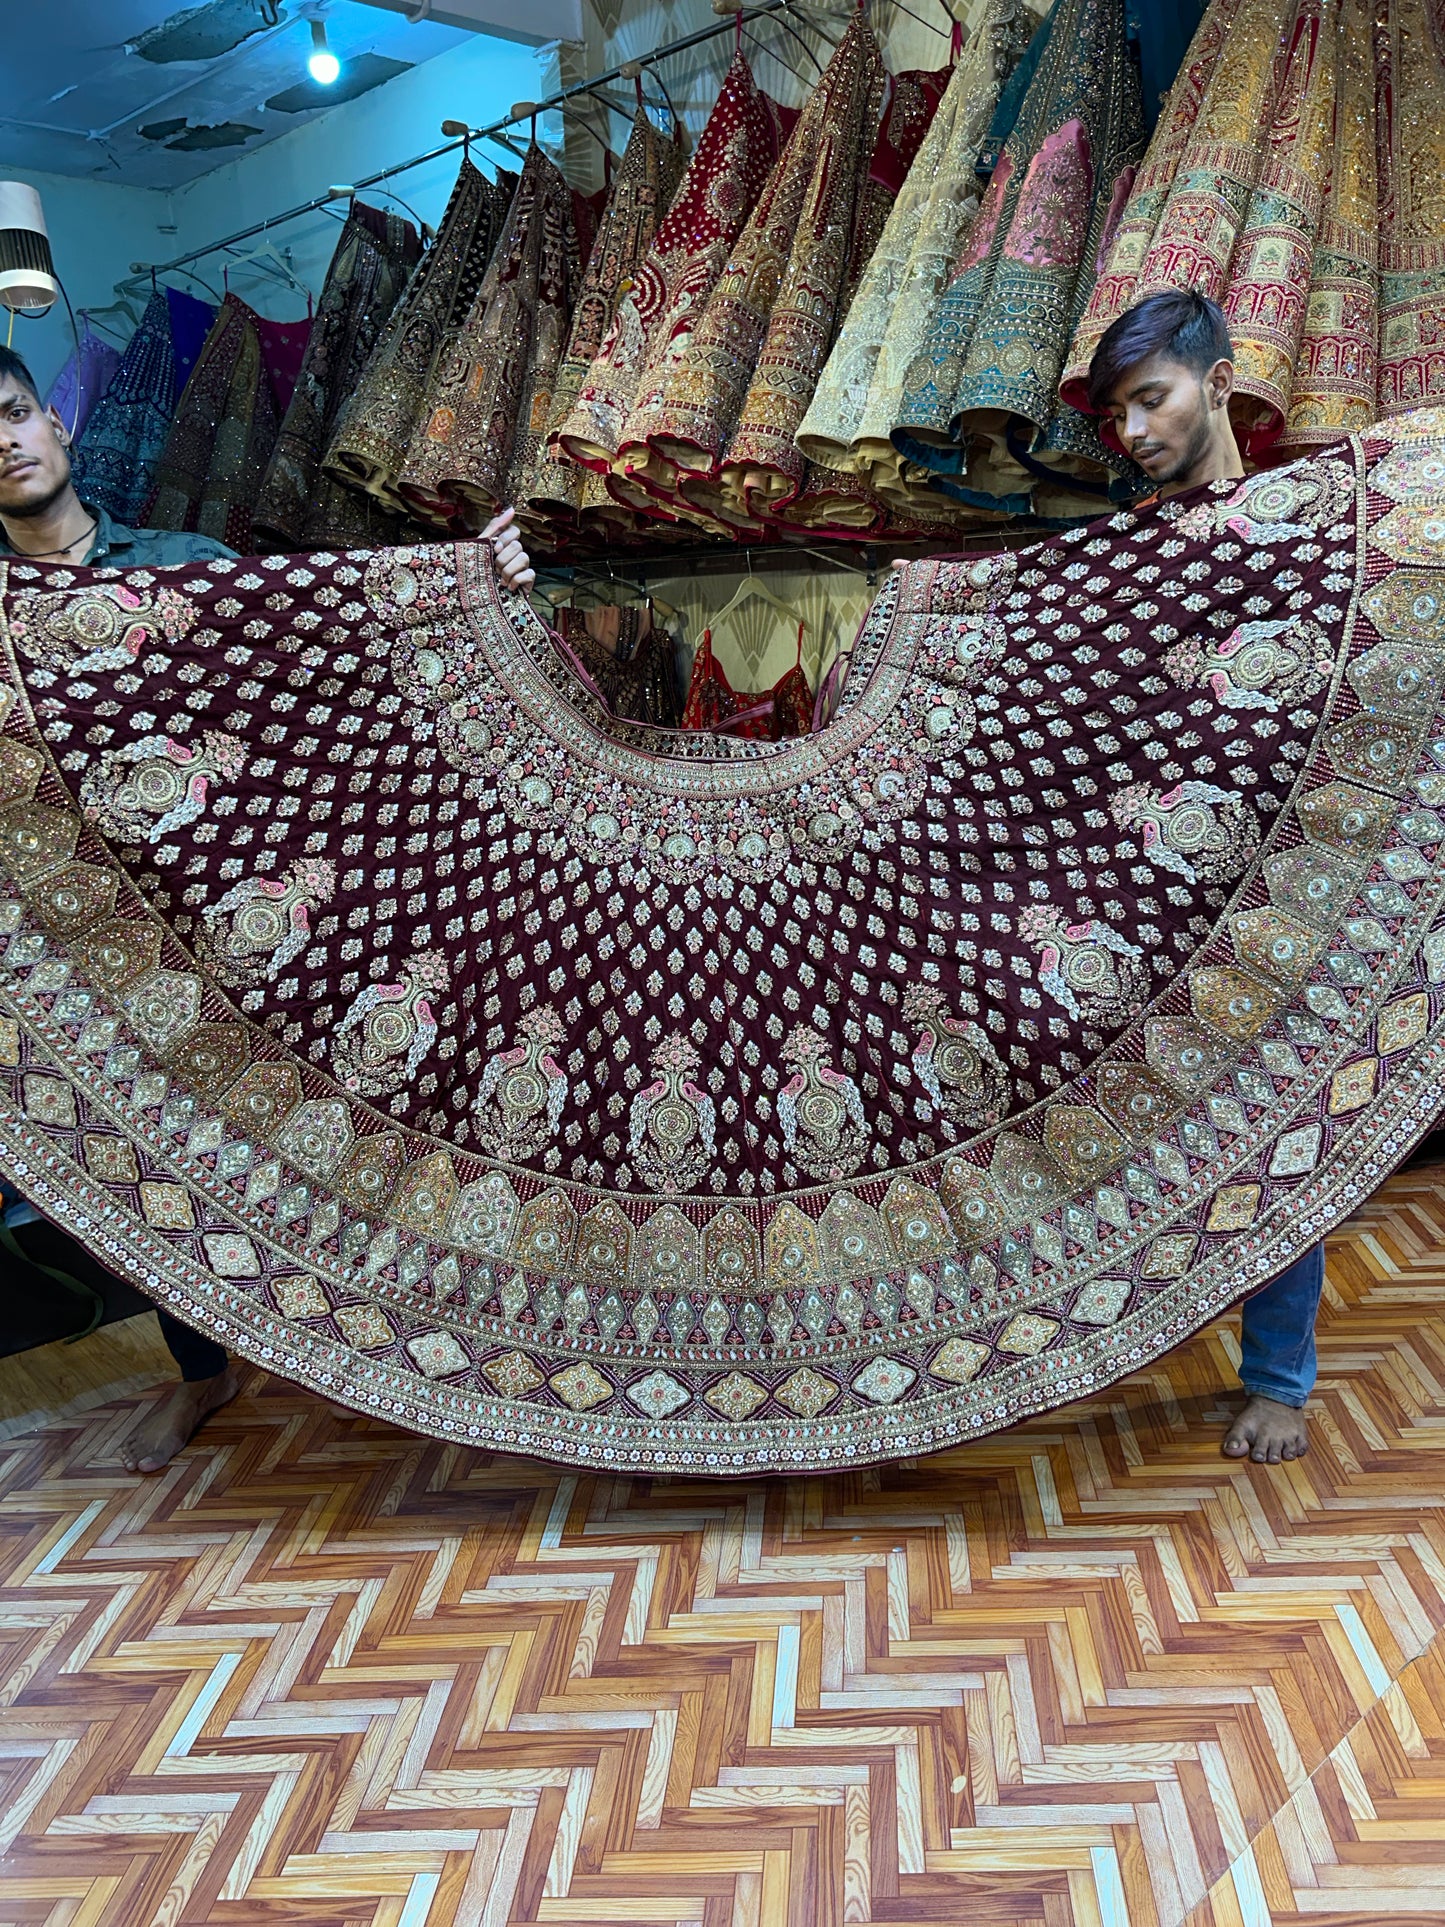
(617, 408)
(209, 475)
(828, 499)
(298, 504)
(668, 1101)
(369, 445)
(980, 407)
(855, 405)
(559, 490)
(126, 432)
(491, 398)
(89, 369)
(1296, 178)
(735, 394)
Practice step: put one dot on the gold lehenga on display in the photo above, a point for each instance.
(1297, 178)
(854, 407)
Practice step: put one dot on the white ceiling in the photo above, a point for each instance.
(76, 97)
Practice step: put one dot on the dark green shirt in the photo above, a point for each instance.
(117, 547)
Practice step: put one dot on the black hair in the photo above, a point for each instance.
(12, 368)
(1186, 326)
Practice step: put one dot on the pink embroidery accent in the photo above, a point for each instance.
(1123, 188)
(1052, 219)
(980, 235)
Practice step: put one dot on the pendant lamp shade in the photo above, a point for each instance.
(27, 273)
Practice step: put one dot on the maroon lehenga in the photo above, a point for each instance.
(391, 1012)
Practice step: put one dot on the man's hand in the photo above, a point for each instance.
(513, 563)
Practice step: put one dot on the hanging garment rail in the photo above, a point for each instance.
(624, 69)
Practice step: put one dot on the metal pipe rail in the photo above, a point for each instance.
(759, 10)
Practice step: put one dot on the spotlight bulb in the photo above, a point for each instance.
(323, 66)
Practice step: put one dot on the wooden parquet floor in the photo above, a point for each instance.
(323, 1674)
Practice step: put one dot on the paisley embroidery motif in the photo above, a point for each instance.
(1259, 665)
(672, 1126)
(147, 790)
(523, 1090)
(261, 924)
(385, 1034)
(820, 1112)
(1196, 830)
(1093, 972)
(104, 629)
(955, 1063)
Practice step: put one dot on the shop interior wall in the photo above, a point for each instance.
(98, 228)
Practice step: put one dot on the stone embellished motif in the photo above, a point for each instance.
(1197, 830)
(105, 627)
(1088, 968)
(147, 790)
(672, 1123)
(709, 1105)
(820, 1112)
(260, 925)
(954, 1061)
(385, 1035)
(1259, 665)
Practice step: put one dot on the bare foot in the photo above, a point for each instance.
(1267, 1432)
(169, 1427)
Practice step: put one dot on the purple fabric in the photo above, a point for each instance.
(190, 324)
(85, 377)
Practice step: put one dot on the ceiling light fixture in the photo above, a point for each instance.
(27, 273)
(323, 66)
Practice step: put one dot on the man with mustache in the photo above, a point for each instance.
(44, 519)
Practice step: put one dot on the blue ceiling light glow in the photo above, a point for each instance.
(323, 66)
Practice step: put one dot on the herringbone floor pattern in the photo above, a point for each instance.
(321, 1674)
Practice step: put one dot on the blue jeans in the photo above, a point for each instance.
(1277, 1332)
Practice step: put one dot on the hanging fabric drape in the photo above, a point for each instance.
(720, 1105)
(370, 444)
(1296, 179)
(835, 500)
(557, 487)
(736, 394)
(491, 398)
(628, 658)
(980, 408)
(89, 369)
(375, 252)
(618, 408)
(855, 406)
(126, 432)
(209, 474)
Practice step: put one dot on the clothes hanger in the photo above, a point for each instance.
(121, 306)
(191, 275)
(266, 258)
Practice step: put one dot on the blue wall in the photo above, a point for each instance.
(97, 230)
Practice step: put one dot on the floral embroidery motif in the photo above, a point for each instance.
(820, 1111)
(520, 1098)
(1196, 829)
(389, 1029)
(1052, 220)
(672, 1127)
(954, 1061)
(147, 790)
(262, 924)
(1093, 972)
